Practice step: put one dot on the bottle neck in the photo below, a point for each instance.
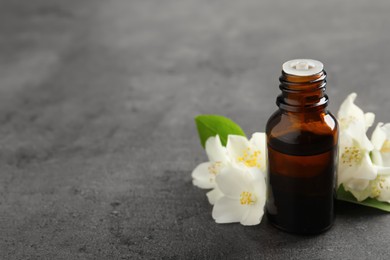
(302, 93)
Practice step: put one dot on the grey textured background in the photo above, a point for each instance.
(97, 140)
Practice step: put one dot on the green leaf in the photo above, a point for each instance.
(212, 125)
(344, 195)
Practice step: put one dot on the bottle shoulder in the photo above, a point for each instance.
(323, 122)
(302, 131)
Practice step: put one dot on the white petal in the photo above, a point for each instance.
(259, 187)
(369, 118)
(259, 141)
(354, 121)
(366, 169)
(256, 211)
(214, 195)
(386, 159)
(357, 133)
(232, 181)
(356, 186)
(376, 157)
(227, 210)
(386, 128)
(253, 215)
(378, 136)
(215, 150)
(256, 172)
(236, 146)
(202, 177)
(382, 170)
(357, 177)
(360, 195)
(384, 190)
(366, 143)
(345, 140)
(348, 108)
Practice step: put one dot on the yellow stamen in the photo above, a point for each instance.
(246, 198)
(249, 158)
(351, 155)
(377, 186)
(215, 168)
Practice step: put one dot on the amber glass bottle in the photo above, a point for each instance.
(302, 141)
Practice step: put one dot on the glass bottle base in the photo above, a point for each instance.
(298, 230)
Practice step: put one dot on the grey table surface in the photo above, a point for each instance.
(97, 139)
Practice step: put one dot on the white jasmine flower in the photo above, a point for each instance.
(214, 195)
(377, 189)
(248, 153)
(380, 188)
(243, 199)
(204, 174)
(355, 166)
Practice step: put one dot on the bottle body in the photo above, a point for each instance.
(302, 141)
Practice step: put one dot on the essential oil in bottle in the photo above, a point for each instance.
(302, 141)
